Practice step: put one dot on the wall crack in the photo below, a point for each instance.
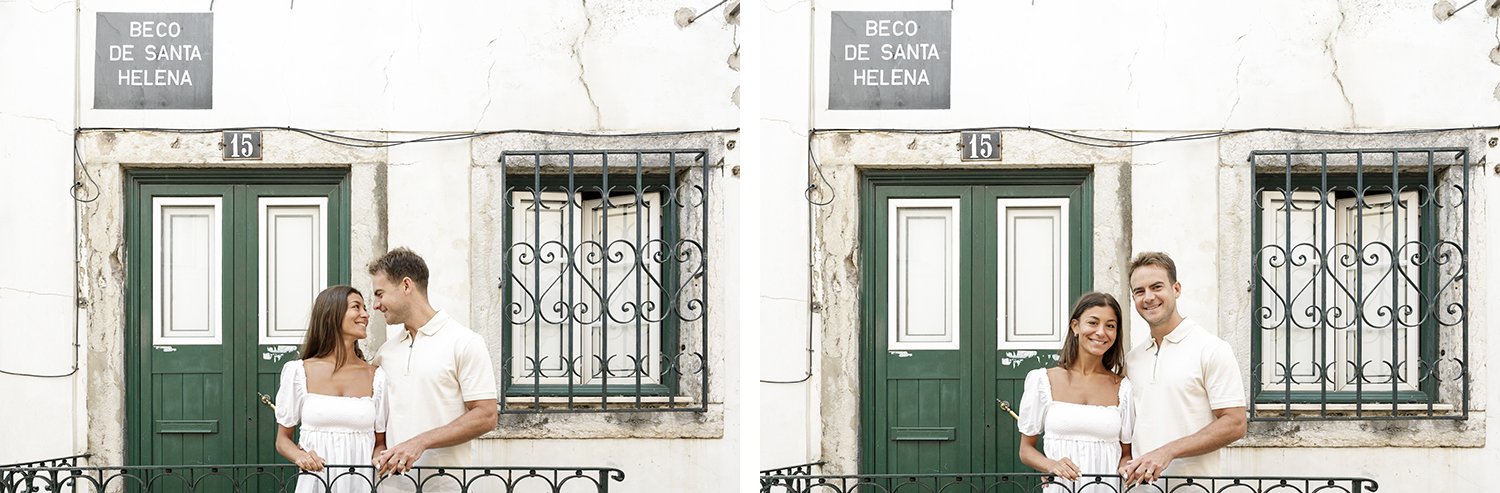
(36, 293)
(489, 85)
(1237, 96)
(582, 74)
(1333, 57)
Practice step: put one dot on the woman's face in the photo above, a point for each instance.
(1096, 330)
(356, 318)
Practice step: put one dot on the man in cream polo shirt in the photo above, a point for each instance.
(1189, 400)
(440, 382)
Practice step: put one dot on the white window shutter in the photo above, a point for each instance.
(1384, 276)
(1292, 289)
(539, 266)
(626, 333)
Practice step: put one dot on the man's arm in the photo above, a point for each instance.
(479, 418)
(1228, 425)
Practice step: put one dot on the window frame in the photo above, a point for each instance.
(576, 184)
(1343, 184)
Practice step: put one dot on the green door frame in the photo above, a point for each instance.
(1073, 183)
(240, 188)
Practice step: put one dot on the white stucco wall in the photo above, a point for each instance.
(36, 224)
(1158, 69)
(790, 432)
(406, 69)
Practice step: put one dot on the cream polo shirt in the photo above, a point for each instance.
(429, 377)
(1177, 387)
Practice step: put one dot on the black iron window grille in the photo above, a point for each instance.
(1035, 482)
(286, 477)
(605, 284)
(1361, 292)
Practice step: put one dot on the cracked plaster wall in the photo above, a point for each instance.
(412, 66)
(36, 240)
(1172, 66)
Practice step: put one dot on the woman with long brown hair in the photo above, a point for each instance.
(334, 396)
(1082, 404)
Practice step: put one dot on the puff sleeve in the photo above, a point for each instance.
(1127, 411)
(291, 394)
(382, 409)
(1034, 399)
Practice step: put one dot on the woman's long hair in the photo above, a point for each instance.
(1071, 347)
(325, 327)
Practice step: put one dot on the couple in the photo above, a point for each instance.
(1177, 397)
(437, 397)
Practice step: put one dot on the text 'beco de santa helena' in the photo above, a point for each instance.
(157, 42)
(892, 51)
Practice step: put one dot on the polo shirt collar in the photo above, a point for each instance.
(438, 321)
(1178, 333)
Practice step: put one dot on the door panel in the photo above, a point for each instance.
(955, 318)
(204, 338)
(921, 356)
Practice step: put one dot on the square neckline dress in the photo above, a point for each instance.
(340, 429)
(1089, 435)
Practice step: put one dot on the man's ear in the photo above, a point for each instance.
(407, 284)
(1177, 288)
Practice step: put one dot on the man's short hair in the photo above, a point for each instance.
(401, 263)
(1158, 259)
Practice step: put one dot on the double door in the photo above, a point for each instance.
(970, 281)
(221, 272)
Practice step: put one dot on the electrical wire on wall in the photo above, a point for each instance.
(79, 197)
(813, 204)
(1093, 141)
(350, 141)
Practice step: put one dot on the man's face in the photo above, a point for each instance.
(391, 297)
(1155, 295)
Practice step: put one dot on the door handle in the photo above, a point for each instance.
(266, 399)
(1004, 404)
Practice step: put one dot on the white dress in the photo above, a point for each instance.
(1088, 435)
(340, 429)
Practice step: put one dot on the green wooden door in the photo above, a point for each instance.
(971, 275)
(222, 269)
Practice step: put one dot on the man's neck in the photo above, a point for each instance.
(1166, 327)
(423, 315)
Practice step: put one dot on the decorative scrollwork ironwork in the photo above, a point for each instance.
(605, 280)
(776, 481)
(286, 477)
(1360, 277)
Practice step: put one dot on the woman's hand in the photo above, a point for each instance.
(1065, 468)
(310, 461)
(375, 457)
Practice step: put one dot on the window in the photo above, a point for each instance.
(1360, 294)
(604, 273)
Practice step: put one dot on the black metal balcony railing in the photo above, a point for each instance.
(13, 473)
(29, 478)
(800, 470)
(1039, 482)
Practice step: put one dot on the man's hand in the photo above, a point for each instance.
(400, 458)
(1146, 468)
